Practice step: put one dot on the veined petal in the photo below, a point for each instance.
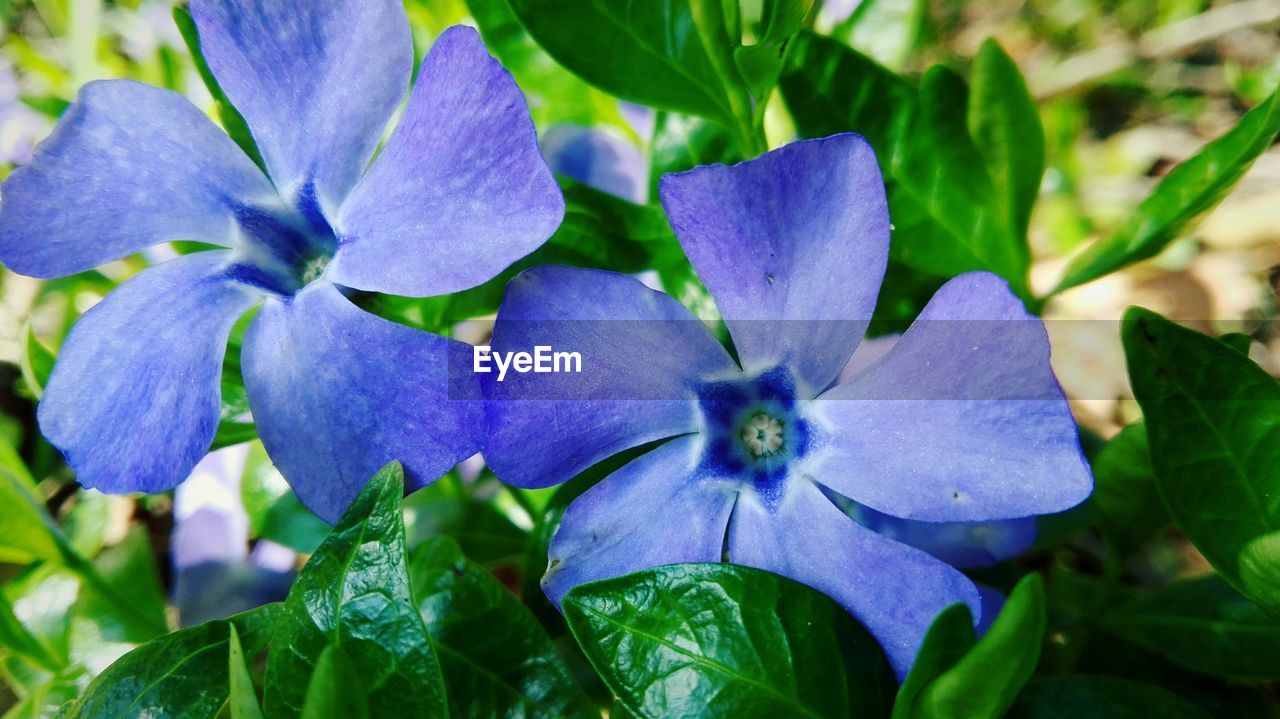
(460, 191)
(792, 246)
(893, 589)
(133, 400)
(337, 393)
(643, 355)
(128, 166)
(317, 82)
(658, 509)
(962, 421)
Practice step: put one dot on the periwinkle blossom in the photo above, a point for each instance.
(598, 159)
(962, 421)
(458, 193)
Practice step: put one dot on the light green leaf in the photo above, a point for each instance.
(335, 690)
(887, 30)
(725, 640)
(1005, 126)
(1189, 191)
(354, 594)
(243, 698)
(1260, 569)
(1213, 422)
(27, 532)
(15, 638)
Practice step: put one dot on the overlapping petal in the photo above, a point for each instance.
(792, 246)
(337, 393)
(317, 87)
(658, 509)
(133, 401)
(460, 191)
(128, 166)
(960, 544)
(962, 421)
(893, 589)
(642, 356)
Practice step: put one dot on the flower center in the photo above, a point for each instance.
(283, 248)
(762, 435)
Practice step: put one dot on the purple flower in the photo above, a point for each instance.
(598, 159)
(458, 193)
(962, 421)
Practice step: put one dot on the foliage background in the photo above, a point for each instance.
(1136, 617)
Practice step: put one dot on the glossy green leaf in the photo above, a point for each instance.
(724, 640)
(984, 682)
(1095, 697)
(1125, 504)
(242, 700)
(1005, 126)
(183, 675)
(354, 594)
(1204, 625)
(1260, 569)
(497, 660)
(232, 121)
(1213, 422)
(949, 637)
(336, 689)
(669, 54)
(1191, 189)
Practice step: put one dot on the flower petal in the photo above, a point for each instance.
(792, 246)
(460, 191)
(962, 421)
(658, 509)
(337, 393)
(642, 354)
(128, 166)
(893, 589)
(317, 82)
(960, 544)
(598, 159)
(134, 398)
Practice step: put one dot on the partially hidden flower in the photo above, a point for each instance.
(962, 421)
(598, 159)
(215, 575)
(458, 192)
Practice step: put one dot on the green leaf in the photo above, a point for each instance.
(1005, 126)
(761, 63)
(336, 689)
(183, 675)
(27, 532)
(670, 54)
(1213, 421)
(287, 521)
(35, 361)
(1204, 625)
(949, 637)
(354, 594)
(1085, 697)
(230, 433)
(985, 681)
(15, 638)
(232, 121)
(1126, 505)
(243, 698)
(1189, 191)
(485, 534)
(725, 640)
(683, 142)
(887, 30)
(497, 660)
(1260, 569)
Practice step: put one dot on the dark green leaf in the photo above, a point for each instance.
(984, 682)
(243, 698)
(1126, 504)
(354, 594)
(725, 640)
(669, 54)
(1260, 569)
(183, 675)
(497, 660)
(1085, 697)
(1205, 625)
(1213, 422)
(232, 121)
(1191, 189)
(336, 690)
(1005, 126)
(485, 533)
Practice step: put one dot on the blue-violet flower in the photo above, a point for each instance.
(457, 194)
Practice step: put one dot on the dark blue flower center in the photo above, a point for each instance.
(283, 248)
(753, 429)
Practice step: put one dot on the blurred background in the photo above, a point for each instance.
(1126, 89)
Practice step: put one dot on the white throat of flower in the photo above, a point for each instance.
(762, 436)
